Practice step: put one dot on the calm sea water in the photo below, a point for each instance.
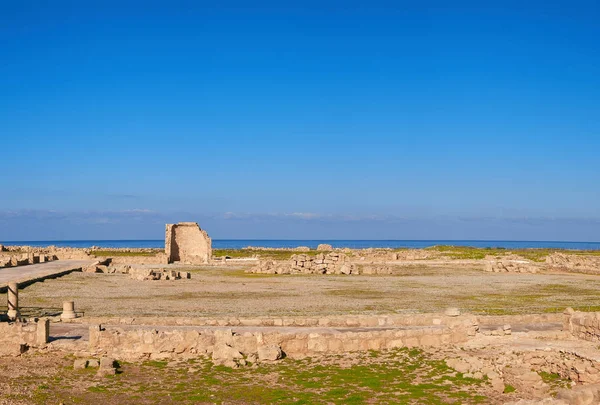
(279, 243)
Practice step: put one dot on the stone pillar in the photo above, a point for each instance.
(68, 310)
(567, 325)
(42, 332)
(13, 300)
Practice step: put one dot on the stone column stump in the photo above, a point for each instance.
(68, 310)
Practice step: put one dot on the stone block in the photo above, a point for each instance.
(80, 364)
(93, 363)
(317, 344)
(269, 353)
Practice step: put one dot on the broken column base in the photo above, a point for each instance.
(68, 310)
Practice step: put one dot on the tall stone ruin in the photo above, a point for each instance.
(186, 243)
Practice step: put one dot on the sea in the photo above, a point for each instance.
(313, 243)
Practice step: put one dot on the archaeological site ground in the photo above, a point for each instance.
(191, 324)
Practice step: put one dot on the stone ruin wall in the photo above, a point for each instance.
(322, 263)
(151, 343)
(330, 263)
(574, 263)
(511, 265)
(17, 337)
(11, 256)
(187, 243)
(337, 321)
(24, 259)
(158, 258)
(384, 261)
(583, 325)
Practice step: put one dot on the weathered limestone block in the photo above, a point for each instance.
(324, 247)
(80, 364)
(510, 266)
(575, 263)
(331, 263)
(17, 337)
(107, 366)
(185, 242)
(144, 273)
(271, 352)
(583, 325)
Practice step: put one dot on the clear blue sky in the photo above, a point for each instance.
(409, 120)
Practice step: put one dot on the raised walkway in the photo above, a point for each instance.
(25, 275)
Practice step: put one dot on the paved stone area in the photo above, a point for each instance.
(22, 274)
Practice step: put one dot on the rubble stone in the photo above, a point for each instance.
(269, 353)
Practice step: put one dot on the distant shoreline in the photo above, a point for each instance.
(313, 243)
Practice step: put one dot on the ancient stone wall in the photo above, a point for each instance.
(17, 337)
(583, 325)
(158, 258)
(185, 242)
(148, 274)
(395, 320)
(520, 319)
(60, 253)
(507, 265)
(135, 343)
(575, 263)
(25, 259)
(330, 263)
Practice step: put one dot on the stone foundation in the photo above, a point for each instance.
(484, 320)
(331, 263)
(25, 259)
(335, 321)
(18, 337)
(136, 343)
(574, 263)
(583, 325)
(510, 266)
(145, 274)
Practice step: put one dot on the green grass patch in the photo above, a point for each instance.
(467, 252)
(555, 381)
(402, 376)
(274, 254)
(533, 254)
(155, 363)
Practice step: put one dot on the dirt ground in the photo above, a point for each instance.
(228, 291)
(400, 376)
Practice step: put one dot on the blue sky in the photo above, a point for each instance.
(354, 120)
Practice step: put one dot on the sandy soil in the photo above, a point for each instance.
(228, 291)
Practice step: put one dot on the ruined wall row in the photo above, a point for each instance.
(16, 337)
(583, 325)
(151, 343)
